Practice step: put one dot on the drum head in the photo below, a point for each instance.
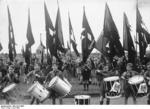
(113, 78)
(8, 88)
(82, 97)
(136, 79)
(52, 82)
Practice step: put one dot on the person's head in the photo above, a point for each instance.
(106, 68)
(86, 66)
(129, 66)
(11, 69)
(148, 66)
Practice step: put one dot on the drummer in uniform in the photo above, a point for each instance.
(126, 87)
(11, 77)
(106, 72)
(38, 76)
(49, 77)
(147, 77)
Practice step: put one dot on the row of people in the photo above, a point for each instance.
(126, 88)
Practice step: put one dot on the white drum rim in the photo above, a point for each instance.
(32, 87)
(82, 97)
(9, 87)
(112, 78)
(113, 97)
(131, 80)
(53, 81)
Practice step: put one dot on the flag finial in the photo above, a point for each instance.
(58, 3)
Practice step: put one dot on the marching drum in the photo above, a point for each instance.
(9, 88)
(112, 87)
(38, 91)
(138, 85)
(61, 87)
(82, 99)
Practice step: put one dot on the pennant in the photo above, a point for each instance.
(23, 52)
(11, 43)
(142, 34)
(68, 45)
(72, 38)
(1, 47)
(110, 37)
(50, 36)
(127, 40)
(30, 37)
(27, 54)
(87, 38)
(58, 29)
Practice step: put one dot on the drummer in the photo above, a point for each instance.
(125, 85)
(106, 72)
(147, 77)
(11, 77)
(50, 75)
(38, 76)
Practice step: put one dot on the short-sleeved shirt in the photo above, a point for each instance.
(128, 74)
(147, 74)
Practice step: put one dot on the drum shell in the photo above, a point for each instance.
(108, 87)
(38, 91)
(135, 86)
(80, 100)
(61, 87)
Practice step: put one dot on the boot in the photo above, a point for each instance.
(148, 101)
(108, 102)
(101, 102)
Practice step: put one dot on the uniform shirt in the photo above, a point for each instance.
(10, 78)
(86, 73)
(147, 74)
(129, 74)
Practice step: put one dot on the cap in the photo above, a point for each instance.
(130, 64)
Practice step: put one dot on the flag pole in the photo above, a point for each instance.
(136, 29)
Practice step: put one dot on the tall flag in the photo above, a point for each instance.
(142, 34)
(30, 37)
(127, 40)
(1, 47)
(27, 54)
(43, 48)
(59, 34)
(50, 36)
(72, 38)
(49, 28)
(109, 38)
(87, 38)
(11, 45)
(23, 52)
(68, 45)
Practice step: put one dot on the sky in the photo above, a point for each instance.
(94, 11)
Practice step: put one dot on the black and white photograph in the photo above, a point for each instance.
(74, 52)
